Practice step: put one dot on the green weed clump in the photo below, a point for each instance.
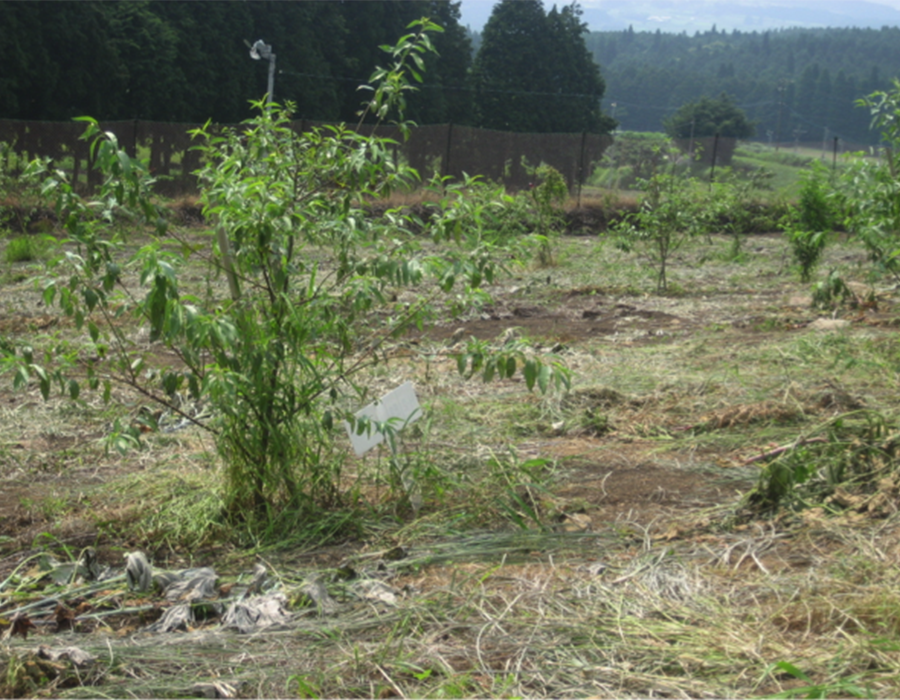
(831, 292)
(852, 462)
(809, 225)
(28, 248)
(548, 197)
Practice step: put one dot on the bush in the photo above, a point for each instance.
(312, 302)
(810, 223)
(633, 157)
(28, 248)
(668, 216)
(870, 191)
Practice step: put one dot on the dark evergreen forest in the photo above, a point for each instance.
(188, 61)
(182, 61)
(796, 84)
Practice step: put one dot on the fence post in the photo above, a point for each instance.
(445, 170)
(834, 158)
(581, 166)
(712, 172)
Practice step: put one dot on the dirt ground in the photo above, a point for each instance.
(656, 435)
(610, 478)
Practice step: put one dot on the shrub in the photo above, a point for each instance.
(28, 248)
(810, 223)
(548, 197)
(668, 216)
(870, 191)
(311, 305)
(633, 157)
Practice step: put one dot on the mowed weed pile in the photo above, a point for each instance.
(600, 542)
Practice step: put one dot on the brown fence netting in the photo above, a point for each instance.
(446, 149)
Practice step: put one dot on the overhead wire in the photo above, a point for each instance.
(608, 100)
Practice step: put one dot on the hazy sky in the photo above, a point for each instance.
(700, 15)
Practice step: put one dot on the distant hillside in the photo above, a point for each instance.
(795, 83)
(700, 15)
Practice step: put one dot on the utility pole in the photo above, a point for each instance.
(834, 159)
(691, 143)
(781, 88)
(259, 50)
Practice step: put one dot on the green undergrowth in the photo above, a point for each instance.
(848, 463)
(176, 506)
(28, 248)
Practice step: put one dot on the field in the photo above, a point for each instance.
(606, 541)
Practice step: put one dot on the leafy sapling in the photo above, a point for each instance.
(811, 222)
(280, 360)
(870, 190)
(547, 197)
(667, 218)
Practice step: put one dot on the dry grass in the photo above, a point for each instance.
(635, 571)
(554, 616)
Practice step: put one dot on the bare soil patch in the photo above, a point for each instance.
(575, 321)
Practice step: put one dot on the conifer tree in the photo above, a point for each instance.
(534, 73)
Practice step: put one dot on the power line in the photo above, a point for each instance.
(454, 88)
(540, 93)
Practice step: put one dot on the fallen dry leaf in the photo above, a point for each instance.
(64, 618)
(21, 624)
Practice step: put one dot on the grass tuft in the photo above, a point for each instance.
(28, 248)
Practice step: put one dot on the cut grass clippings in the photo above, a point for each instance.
(596, 543)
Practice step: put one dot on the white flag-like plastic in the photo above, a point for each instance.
(399, 405)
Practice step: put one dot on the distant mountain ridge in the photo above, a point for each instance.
(793, 83)
(745, 15)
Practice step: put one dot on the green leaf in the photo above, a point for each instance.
(74, 389)
(531, 373)
(544, 378)
(49, 293)
(90, 298)
(171, 381)
(793, 670)
(447, 282)
(510, 366)
(21, 378)
(43, 381)
(194, 386)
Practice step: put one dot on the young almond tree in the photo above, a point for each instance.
(312, 279)
(667, 217)
(870, 191)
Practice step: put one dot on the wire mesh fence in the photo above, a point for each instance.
(443, 149)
